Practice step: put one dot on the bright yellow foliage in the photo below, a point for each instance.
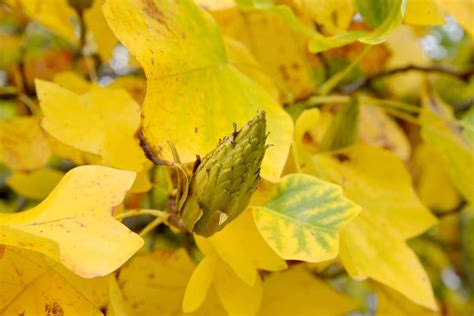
(33, 285)
(373, 245)
(434, 187)
(298, 292)
(155, 283)
(423, 12)
(180, 48)
(74, 222)
(101, 122)
(34, 185)
(23, 144)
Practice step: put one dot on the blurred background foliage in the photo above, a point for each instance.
(68, 44)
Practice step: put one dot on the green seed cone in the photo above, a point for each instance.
(222, 185)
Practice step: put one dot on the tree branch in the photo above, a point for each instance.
(461, 75)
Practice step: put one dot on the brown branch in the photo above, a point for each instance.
(456, 210)
(461, 75)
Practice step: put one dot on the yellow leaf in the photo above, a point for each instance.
(154, 283)
(117, 305)
(277, 47)
(243, 59)
(102, 122)
(433, 184)
(448, 142)
(104, 39)
(405, 49)
(372, 248)
(74, 226)
(462, 11)
(334, 15)
(76, 156)
(301, 221)
(23, 145)
(135, 86)
(392, 303)
(199, 283)
(298, 292)
(242, 247)
(56, 15)
(31, 286)
(373, 245)
(378, 129)
(237, 293)
(423, 12)
(35, 185)
(72, 81)
(180, 47)
(377, 180)
(238, 297)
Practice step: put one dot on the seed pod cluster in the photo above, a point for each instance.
(224, 181)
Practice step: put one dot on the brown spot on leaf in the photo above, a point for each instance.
(342, 157)
(284, 73)
(53, 309)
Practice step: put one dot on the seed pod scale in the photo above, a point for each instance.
(224, 181)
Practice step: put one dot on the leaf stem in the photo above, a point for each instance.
(139, 212)
(157, 221)
(332, 82)
(318, 100)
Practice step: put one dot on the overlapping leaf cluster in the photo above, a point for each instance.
(367, 188)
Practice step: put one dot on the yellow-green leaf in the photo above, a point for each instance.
(35, 185)
(448, 142)
(74, 226)
(302, 219)
(180, 47)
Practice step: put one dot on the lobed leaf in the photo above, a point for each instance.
(180, 48)
(301, 221)
(74, 226)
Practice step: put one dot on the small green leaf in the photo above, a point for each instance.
(344, 129)
(303, 218)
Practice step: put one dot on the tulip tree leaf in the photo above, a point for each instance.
(448, 142)
(180, 48)
(74, 226)
(302, 219)
(384, 16)
(32, 284)
(374, 244)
